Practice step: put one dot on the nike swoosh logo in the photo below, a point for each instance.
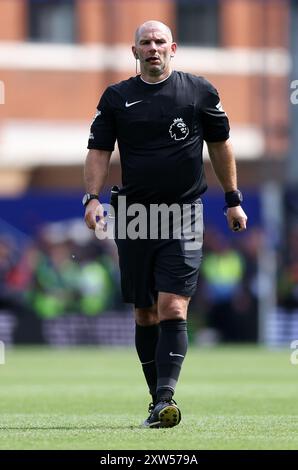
(172, 354)
(127, 105)
(149, 362)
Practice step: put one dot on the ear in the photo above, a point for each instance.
(134, 51)
(173, 49)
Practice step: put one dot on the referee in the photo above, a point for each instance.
(160, 119)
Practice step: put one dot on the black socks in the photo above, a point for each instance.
(161, 349)
(170, 352)
(146, 338)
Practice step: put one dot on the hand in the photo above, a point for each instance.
(93, 212)
(236, 218)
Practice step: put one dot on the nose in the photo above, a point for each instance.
(153, 47)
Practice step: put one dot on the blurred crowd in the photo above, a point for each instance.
(225, 305)
(288, 273)
(66, 270)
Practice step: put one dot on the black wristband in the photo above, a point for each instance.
(87, 198)
(233, 198)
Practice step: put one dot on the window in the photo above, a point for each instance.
(51, 20)
(198, 22)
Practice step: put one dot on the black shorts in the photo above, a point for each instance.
(149, 266)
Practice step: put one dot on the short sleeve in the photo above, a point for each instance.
(215, 122)
(102, 132)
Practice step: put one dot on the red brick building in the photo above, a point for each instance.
(57, 56)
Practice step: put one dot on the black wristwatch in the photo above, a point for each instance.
(233, 198)
(87, 198)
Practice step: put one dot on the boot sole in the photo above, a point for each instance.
(169, 417)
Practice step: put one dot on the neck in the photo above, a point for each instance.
(155, 78)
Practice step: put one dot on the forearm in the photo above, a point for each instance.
(224, 165)
(96, 170)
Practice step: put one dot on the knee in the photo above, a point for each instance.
(172, 309)
(146, 316)
(172, 313)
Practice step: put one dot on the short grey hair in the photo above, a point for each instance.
(153, 23)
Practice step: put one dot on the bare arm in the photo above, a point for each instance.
(96, 170)
(223, 162)
(95, 175)
(224, 165)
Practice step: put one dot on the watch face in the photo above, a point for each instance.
(85, 199)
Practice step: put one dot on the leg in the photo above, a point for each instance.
(146, 316)
(146, 338)
(172, 306)
(172, 345)
(170, 352)
(176, 272)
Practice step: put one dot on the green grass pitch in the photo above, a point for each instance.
(95, 398)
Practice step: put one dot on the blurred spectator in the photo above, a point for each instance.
(69, 278)
(222, 272)
(246, 299)
(288, 274)
(226, 307)
(8, 259)
(69, 272)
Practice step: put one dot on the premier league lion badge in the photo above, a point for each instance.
(178, 129)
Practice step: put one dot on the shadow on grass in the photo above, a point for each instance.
(66, 428)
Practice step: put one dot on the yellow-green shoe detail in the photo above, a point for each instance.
(165, 414)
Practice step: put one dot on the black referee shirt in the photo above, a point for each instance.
(160, 130)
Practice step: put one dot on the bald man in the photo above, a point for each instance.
(160, 119)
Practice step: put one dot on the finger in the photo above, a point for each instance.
(100, 225)
(99, 212)
(101, 229)
(90, 220)
(236, 226)
(239, 225)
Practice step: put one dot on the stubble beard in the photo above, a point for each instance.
(158, 71)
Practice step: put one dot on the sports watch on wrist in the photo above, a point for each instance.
(87, 198)
(233, 198)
